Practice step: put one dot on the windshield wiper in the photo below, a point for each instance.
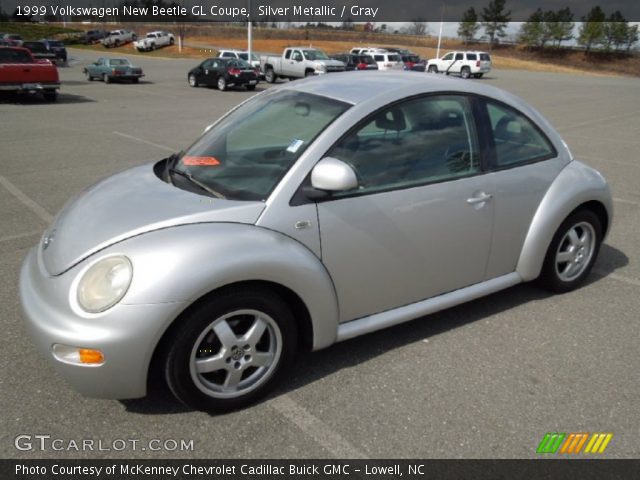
(198, 183)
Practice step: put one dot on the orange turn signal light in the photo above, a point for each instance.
(90, 356)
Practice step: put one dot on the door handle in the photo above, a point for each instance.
(482, 197)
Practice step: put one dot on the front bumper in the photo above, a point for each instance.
(126, 334)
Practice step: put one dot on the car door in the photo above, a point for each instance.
(420, 223)
(523, 164)
(208, 74)
(445, 62)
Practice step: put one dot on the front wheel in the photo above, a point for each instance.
(231, 349)
(193, 81)
(106, 78)
(222, 84)
(433, 69)
(572, 252)
(270, 76)
(88, 75)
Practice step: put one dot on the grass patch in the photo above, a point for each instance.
(34, 31)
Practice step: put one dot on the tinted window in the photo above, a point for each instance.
(485, 57)
(459, 56)
(379, 58)
(517, 139)
(472, 56)
(228, 55)
(425, 140)
(393, 58)
(8, 55)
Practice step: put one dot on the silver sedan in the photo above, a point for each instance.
(313, 213)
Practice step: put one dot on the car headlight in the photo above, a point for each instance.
(321, 67)
(104, 284)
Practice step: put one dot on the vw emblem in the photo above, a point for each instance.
(48, 239)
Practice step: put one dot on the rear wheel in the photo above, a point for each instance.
(222, 84)
(270, 76)
(231, 350)
(572, 252)
(465, 72)
(171, 41)
(193, 81)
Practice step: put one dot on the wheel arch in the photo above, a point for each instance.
(576, 187)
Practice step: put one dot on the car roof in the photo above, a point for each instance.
(340, 86)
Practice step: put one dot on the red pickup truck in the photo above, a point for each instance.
(20, 72)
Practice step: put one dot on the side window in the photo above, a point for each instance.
(227, 55)
(379, 58)
(297, 56)
(287, 54)
(207, 64)
(472, 56)
(459, 56)
(448, 56)
(424, 140)
(517, 140)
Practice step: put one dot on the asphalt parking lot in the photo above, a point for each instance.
(483, 380)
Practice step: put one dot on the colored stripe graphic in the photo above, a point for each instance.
(574, 443)
(598, 443)
(551, 442)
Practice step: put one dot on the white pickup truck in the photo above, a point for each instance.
(154, 40)
(118, 37)
(298, 62)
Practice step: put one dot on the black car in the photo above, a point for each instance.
(93, 36)
(224, 73)
(39, 51)
(56, 47)
(356, 62)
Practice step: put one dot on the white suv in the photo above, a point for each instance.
(242, 55)
(465, 64)
(386, 60)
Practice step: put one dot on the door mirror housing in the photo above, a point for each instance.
(333, 175)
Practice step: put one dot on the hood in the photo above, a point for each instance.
(127, 204)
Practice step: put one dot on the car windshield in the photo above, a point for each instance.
(315, 55)
(245, 155)
(119, 62)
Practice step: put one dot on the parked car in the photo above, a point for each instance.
(465, 64)
(413, 62)
(57, 48)
(117, 38)
(356, 62)
(387, 60)
(242, 55)
(154, 40)
(298, 62)
(22, 73)
(113, 69)
(13, 39)
(275, 230)
(224, 73)
(93, 36)
(39, 51)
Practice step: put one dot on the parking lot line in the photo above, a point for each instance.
(597, 121)
(26, 201)
(315, 428)
(624, 200)
(137, 139)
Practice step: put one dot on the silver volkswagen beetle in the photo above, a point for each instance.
(310, 214)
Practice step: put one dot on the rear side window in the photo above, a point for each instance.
(14, 56)
(517, 140)
(394, 58)
(472, 56)
(379, 58)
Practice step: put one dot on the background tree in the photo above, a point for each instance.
(560, 25)
(469, 25)
(631, 36)
(417, 27)
(533, 32)
(495, 20)
(614, 31)
(591, 30)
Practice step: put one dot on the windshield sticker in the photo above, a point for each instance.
(294, 145)
(200, 161)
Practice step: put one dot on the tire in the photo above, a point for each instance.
(572, 252)
(216, 335)
(433, 69)
(251, 87)
(465, 72)
(117, 43)
(308, 74)
(222, 84)
(106, 78)
(270, 76)
(88, 75)
(193, 81)
(171, 41)
(50, 96)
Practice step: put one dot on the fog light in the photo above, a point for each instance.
(78, 356)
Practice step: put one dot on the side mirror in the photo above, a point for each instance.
(333, 175)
